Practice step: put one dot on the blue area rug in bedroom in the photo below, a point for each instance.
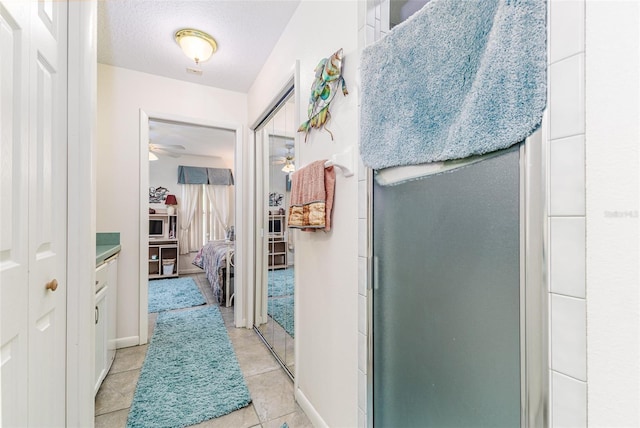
(190, 373)
(173, 293)
(280, 282)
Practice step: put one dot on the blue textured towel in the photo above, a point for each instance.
(458, 78)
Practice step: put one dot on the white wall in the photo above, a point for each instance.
(326, 263)
(278, 184)
(121, 94)
(612, 240)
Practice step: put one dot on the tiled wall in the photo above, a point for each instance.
(565, 131)
(373, 24)
(564, 128)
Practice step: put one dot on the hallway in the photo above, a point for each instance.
(270, 388)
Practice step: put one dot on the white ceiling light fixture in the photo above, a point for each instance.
(288, 165)
(196, 44)
(287, 160)
(152, 157)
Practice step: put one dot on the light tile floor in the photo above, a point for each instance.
(281, 341)
(270, 388)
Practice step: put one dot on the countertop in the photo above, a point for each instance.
(107, 245)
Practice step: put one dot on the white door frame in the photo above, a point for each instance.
(144, 213)
(81, 209)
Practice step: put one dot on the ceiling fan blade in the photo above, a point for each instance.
(163, 152)
(169, 146)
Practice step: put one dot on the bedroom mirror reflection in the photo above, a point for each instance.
(191, 207)
(275, 254)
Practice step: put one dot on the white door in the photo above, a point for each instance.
(33, 121)
(14, 264)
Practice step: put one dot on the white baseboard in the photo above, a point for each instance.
(309, 410)
(126, 342)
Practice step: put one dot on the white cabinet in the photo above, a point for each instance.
(105, 318)
(112, 281)
(163, 259)
(163, 246)
(100, 316)
(277, 256)
(101, 319)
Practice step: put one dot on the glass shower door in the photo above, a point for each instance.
(446, 298)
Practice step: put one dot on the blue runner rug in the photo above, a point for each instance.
(281, 310)
(173, 293)
(190, 373)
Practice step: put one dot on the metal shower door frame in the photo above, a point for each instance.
(534, 335)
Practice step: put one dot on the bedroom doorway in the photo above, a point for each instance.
(275, 243)
(173, 144)
(167, 144)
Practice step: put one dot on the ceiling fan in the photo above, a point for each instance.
(287, 160)
(165, 149)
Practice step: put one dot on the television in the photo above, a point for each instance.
(156, 228)
(275, 226)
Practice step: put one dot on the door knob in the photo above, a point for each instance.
(52, 285)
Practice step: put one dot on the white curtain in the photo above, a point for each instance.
(196, 230)
(190, 194)
(219, 197)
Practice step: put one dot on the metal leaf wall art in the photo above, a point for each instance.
(324, 88)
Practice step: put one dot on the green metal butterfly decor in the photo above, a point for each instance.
(324, 88)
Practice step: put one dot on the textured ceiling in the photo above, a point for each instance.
(197, 140)
(138, 35)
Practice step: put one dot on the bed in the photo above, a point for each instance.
(216, 259)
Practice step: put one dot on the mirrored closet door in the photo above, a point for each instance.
(275, 252)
